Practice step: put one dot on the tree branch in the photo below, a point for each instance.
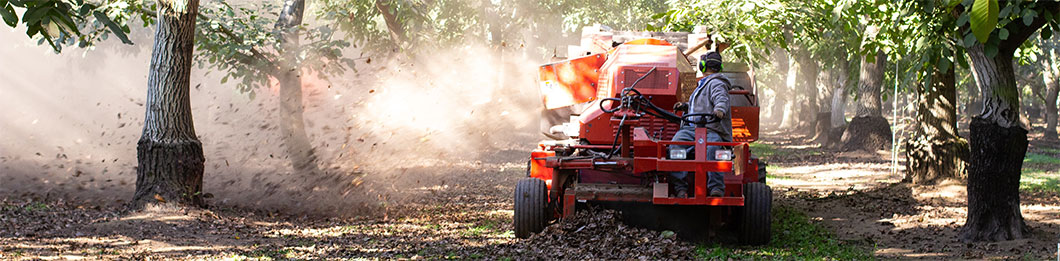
(245, 59)
(397, 34)
(1019, 32)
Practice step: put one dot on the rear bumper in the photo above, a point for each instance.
(657, 195)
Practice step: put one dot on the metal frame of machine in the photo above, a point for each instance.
(621, 155)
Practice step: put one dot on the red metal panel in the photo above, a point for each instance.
(690, 165)
(568, 202)
(745, 124)
(624, 65)
(538, 168)
(709, 201)
(613, 197)
(570, 82)
(662, 81)
(613, 177)
(752, 171)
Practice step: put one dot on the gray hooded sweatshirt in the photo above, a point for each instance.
(712, 94)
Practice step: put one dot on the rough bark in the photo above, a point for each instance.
(775, 105)
(397, 32)
(935, 152)
(169, 155)
(974, 105)
(870, 86)
(993, 182)
(1034, 107)
(822, 128)
(1052, 86)
(809, 70)
(998, 145)
(289, 75)
(1052, 89)
(789, 118)
(869, 130)
(998, 142)
(839, 96)
(839, 106)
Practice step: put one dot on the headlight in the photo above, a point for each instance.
(678, 154)
(723, 155)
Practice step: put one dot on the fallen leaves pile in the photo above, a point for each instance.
(600, 234)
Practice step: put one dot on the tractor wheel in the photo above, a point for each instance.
(762, 171)
(531, 206)
(755, 214)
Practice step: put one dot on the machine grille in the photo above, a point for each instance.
(655, 127)
(657, 80)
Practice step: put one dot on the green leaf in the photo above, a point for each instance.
(114, 27)
(990, 50)
(85, 10)
(1028, 16)
(1047, 33)
(1005, 11)
(945, 64)
(969, 40)
(961, 60)
(65, 20)
(32, 30)
(1002, 34)
(963, 19)
(34, 15)
(9, 14)
(983, 19)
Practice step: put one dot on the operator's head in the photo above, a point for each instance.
(710, 62)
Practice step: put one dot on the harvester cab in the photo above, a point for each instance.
(615, 146)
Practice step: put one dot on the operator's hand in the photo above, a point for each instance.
(681, 106)
(720, 114)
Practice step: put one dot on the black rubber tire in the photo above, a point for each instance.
(762, 171)
(531, 206)
(756, 214)
(529, 162)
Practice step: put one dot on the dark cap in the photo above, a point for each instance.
(712, 58)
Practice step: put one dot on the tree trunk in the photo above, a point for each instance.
(776, 106)
(1035, 106)
(809, 71)
(839, 106)
(869, 130)
(839, 96)
(168, 153)
(974, 106)
(1051, 91)
(936, 152)
(789, 117)
(292, 121)
(397, 32)
(838, 118)
(1052, 86)
(998, 145)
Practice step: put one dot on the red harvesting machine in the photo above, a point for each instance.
(616, 148)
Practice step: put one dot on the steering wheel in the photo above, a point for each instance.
(704, 118)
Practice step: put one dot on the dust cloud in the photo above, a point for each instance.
(71, 122)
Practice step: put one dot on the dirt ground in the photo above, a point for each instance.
(463, 211)
(857, 196)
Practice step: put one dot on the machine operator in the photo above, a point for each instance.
(710, 96)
